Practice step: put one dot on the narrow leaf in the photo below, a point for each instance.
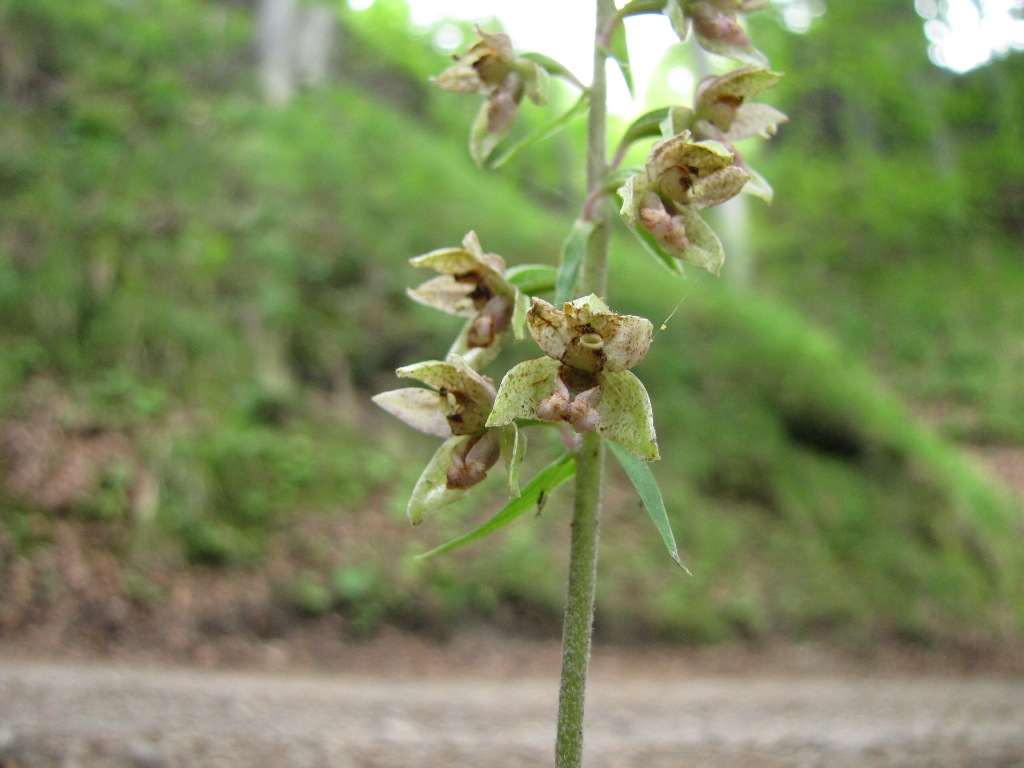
(637, 7)
(619, 50)
(646, 486)
(577, 109)
(645, 126)
(573, 250)
(553, 67)
(532, 279)
(545, 481)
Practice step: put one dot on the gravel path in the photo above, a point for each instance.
(107, 716)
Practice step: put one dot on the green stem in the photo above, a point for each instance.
(578, 624)
(579, 605)
(594, 272)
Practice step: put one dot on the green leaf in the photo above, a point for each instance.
(532, 278)
(553, 67)
(543, 483)
(619, 50)
(644, 127)
(637, 7)
(677, 120)
(646, 486)
(579, 108)
(679, 20)
(573, 250)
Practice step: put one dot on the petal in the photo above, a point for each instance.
(632, 194)
(463, 396)
(629, 339)
(448, 261)
(549, 327)
(446, 294)
(718, 187)
(742, 83)
(460, 78)
(453, 375)
(679, 165)
(475, 357)
(522, 389)
(704, 248)
(702, 157)
(755, 120)
(431, 491)
(626, 414)
(417, 407)
(583, 310)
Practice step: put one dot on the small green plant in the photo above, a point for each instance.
(582, 388)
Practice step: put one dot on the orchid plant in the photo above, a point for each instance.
(582, 387)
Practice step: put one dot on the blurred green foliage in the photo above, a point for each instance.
(223, 283)
(897, 221)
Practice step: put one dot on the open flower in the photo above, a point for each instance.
(491, 67)
(725, 112)
(716, 24)
(584, 381)
(454, 405)
(682, 177)
(472, 285)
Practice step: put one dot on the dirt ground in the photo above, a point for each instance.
(486, 700)
(217, 677)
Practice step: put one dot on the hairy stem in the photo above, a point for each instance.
(594, 271)
(579, 605)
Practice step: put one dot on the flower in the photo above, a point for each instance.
(454, 405)
(723, 110)
(473, 285)
(491, 67)
(457, 403)
(696, 174)
(585, 380)
(717, 26)
(589, 337)
(680, 178)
